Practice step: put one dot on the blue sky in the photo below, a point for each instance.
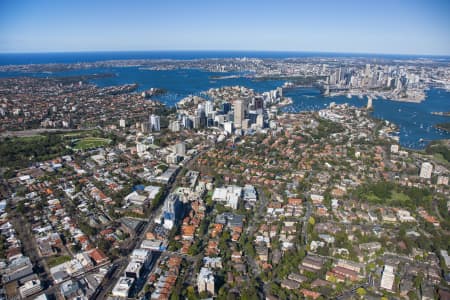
(360, 26)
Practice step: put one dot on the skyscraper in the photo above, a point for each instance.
(367, 71)
(369, 103)
(258, 103)
(172, 210)
(226, 107)
(238, 113)
(154, 123)
(260, 121)
(174, 126)
(280, 91)
(209, 107)
(202, 118)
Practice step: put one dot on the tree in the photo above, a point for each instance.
(361, 292)
(412, 295)
(104, 245)
(249, 250)
(20, 207)
(191, 295)
(418, 280)
(76, 248)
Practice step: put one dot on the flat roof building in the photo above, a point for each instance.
(387, 280)
(122, 287)
(30, 287)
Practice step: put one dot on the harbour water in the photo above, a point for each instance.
(414, 120)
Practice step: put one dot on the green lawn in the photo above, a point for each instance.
(57, 260)
(81, 133)
(90, 143)
(400, 197)
(372, 198)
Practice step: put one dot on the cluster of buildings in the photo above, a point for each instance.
(224, 192)
(31, 102)
(139, 262)
(395, 82)
(17, 275)
(346, 234)
(164, 277)
(231, 109)
(77, 256)
(230, 196)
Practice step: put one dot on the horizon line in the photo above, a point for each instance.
(221, 50)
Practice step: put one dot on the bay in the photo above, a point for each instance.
(414, 120)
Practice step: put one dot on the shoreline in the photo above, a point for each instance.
(375, 95)
(285, 102)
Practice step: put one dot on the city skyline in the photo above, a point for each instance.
(402, 27)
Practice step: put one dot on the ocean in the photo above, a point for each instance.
(76, 57)
(414, 120)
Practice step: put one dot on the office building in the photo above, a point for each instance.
(30, 287)
(260, 121)
(387, 279)
(143, 256)
(174, 126)
(226, 107)
(229, 195)
(426, 170)
(123, 286)
(18, 268)
(69, 289)
(239, 113)
(134, 269)
(369, 103)
(258, 103)
(154, 123)
(228, 127)
(245, 124)
(187, 122)
(280, 91)
(209, 107)
(171, 211)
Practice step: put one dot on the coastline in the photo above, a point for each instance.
(285, 102)
(419, 97)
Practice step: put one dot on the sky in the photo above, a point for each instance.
(351, 26)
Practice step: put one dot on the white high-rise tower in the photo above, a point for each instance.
(154, 123)
(238, 113)
(369, 103)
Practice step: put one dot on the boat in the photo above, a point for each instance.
(288, 85)
(441, 113)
